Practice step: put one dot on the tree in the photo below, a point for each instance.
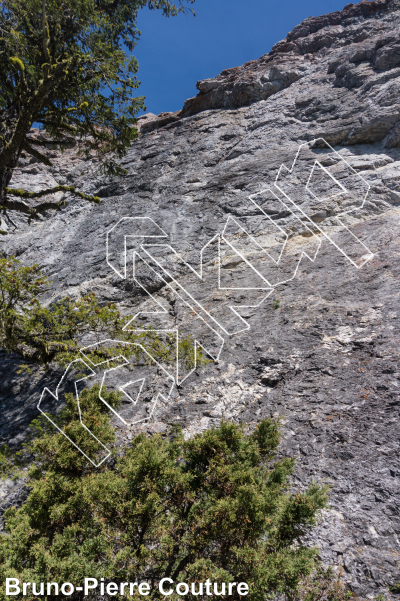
(64, 66)
(213, 507)
(43, 334)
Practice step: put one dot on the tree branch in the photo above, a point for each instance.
(32, 107)
(44, 31)
(25, 194)
(23, 207)
(35, 153)
(67, 142)
(59, 125)
(34, 212)
(10, 220)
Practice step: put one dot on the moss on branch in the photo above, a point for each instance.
(47, 191)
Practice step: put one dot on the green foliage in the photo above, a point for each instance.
(215, 506)
(64, 65)
(53, 451)
(25, 194)
(276, 304)
(43, 334)
(40, 333)
(10, 463)
(395, 588)
(72, 51)
(321, 585)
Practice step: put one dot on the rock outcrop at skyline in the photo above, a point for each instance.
(311, 255)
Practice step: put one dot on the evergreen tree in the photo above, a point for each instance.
(215, 507)
(64, 66)
(42, 334)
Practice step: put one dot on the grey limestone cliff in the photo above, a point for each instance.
(321, 344)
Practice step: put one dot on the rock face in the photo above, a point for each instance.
(309, 256)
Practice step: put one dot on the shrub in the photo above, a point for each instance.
(42, 334)
(215, 506)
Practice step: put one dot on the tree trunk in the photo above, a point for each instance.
(8, 124)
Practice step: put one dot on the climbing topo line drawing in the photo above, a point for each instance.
(320, 200)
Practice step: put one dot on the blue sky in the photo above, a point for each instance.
(174, 53)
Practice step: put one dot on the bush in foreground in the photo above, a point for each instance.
(214, 507)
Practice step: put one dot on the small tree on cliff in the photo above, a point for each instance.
(63, 65)
(43, 334)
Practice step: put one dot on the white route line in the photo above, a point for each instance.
(147, 224)
(148, 220)
(122, 389)
(304, 253)
(127, 362)
(56, 397)
(283, 168)
(197, 343)
(196, 304)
